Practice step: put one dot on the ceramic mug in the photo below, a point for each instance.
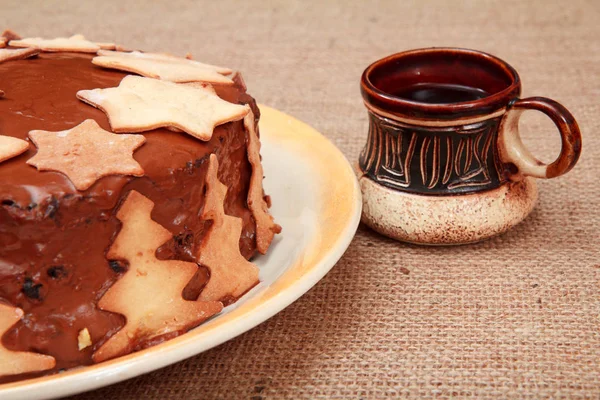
(444, 162)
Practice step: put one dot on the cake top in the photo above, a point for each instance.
(133, 103)
(48, 91)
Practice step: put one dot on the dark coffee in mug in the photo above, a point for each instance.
(440, 93)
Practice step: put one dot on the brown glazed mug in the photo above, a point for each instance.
(444, 162)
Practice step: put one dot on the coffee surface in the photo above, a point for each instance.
(440, 93)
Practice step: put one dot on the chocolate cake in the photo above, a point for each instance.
(189, 199)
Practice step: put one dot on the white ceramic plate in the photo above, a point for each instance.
(316, 199)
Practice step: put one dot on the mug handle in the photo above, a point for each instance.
(513, 151)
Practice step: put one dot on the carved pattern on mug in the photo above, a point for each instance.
(459, 159)
(471, 148)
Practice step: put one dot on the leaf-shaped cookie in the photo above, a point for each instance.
(266, 228)
(231, 275)
(149, 294)
(18, 362)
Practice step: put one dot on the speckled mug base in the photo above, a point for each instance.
(446, 220)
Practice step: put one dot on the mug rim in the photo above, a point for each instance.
(388, 103)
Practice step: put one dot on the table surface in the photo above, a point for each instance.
(514, 316)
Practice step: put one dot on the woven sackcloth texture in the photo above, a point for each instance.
(517, 316)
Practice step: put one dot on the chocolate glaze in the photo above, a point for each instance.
(53, 239)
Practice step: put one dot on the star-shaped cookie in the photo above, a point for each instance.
(106, 45)
(9, 35)
(141, 104)
(11, 147)
(149, 294)
(19, 362)
(163, 66)
(75, 43)
(17, 54)
(86, 153)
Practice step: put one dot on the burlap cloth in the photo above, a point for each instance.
(515, 316)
